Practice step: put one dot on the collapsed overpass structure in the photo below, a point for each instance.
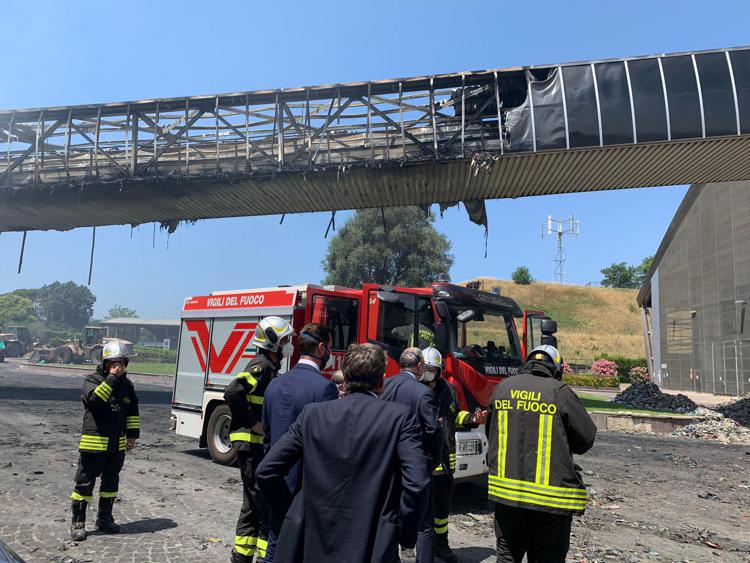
(506, 133)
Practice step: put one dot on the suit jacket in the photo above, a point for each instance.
(284, 400)
(405, 389)
(364, 486)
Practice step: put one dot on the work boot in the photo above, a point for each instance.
(441, 551)
(104, 521)
(78, 524)
(239, 558)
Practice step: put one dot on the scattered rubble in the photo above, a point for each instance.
(647, 395)
(738, 411)
(715, 426)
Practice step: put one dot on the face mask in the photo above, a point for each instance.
(287, 350)
(428, 376)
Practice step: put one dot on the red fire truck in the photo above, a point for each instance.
(476, 331)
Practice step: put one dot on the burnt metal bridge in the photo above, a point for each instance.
(506, 133)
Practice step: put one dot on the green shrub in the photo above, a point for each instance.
(591, 380)
(157, 355)
(625, 365)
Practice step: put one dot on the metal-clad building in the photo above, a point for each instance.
(694, 300)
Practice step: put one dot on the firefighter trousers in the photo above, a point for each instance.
(91, 466)
(252, 526)
(442, 499)
(543, 537)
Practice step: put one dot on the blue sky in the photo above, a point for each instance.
(58, 53)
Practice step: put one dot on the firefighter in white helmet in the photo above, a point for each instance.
(451, 418)
(244, 395)
(111, 426)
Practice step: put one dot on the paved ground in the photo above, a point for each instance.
(654, 497)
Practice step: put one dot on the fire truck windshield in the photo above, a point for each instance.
(488, 342)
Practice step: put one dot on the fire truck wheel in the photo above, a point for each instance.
(217, 436)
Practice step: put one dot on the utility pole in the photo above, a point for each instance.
(560, 228)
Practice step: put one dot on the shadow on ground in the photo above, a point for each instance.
(473, 554)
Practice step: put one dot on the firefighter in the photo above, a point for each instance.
(244, 395)
(451, 419)
(535, 425)
(111, 425)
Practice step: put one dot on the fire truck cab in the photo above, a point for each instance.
(474, 330)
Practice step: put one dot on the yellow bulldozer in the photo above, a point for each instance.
(88, 347)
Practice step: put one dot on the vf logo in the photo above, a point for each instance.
(233, 349)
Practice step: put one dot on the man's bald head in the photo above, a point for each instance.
(410, 360)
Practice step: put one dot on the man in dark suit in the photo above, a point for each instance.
(364, 489)
(288, 394)
(406, 389)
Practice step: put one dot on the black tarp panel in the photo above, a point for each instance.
(614, 100)
(718, 100)
(580, 98)
(648, 99)
(549, 119)
(682, 93)
(518, 123)
(741, 68)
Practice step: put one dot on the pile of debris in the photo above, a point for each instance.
(715, 426)
(647, 395)
(738, 411)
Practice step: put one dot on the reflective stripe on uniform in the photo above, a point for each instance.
(75, 496)
(133, 422)
(249, 378)
(107, 494)
(245, 437)
(439, 470)
(245, 545)
(502, 441)
(94, 443)
(452, 461)
(544, 449)
(262, 547)
(441, 525)
(103, 391)
(256, 399)
(121, 444)
(566, 492)
(525, 496)
(461, 418)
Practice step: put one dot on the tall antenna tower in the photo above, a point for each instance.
(559, 228)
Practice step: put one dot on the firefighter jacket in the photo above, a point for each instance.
(244, 395)
(534, 425)
(451, 419)
(110, 413)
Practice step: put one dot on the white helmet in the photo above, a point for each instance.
(549, 355)
(269, 332)
(432, 358)
(115, 351)
(433, 364)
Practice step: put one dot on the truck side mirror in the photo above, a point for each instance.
(549, 327)
(442, 308)
(443, 337)
(549, 340)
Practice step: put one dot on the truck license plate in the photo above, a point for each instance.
(469, 447)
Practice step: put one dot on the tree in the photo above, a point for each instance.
(642, 270)
(522, 276)
(118, 312)
(15, 310)
(619, 275)
(407, 251)
(67, 304)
